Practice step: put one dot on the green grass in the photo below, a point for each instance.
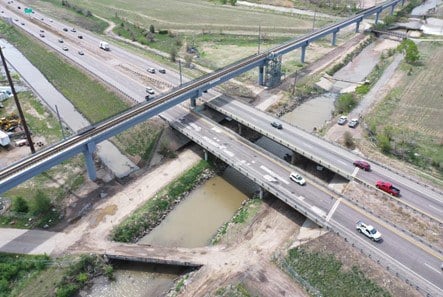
(238, 290)
(181, 15)
(93, 100)
(76, 16)
(16, 270)
(149, 214)
(325, 273)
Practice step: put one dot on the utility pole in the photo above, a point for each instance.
(17, 103)
(259, 39)
(313, 21)
(180, 68)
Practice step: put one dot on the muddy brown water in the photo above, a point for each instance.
(196, 219)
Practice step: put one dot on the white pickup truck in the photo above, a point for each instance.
(368, 230)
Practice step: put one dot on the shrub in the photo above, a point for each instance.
(345, 103)
(151, 29)
(411, 51)
(20, 205)
(384, 142)
(41, 204)
(349, 140)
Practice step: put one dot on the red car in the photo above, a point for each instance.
(388, 188)
(362, 164)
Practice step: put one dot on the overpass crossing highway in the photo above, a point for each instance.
(407, 255)
(339, 160)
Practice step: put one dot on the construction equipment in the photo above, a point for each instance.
(9, 123)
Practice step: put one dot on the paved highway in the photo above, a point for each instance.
(340, 160)
(273, 173)
(265, 169)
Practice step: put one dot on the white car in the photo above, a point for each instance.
(368, 230)
(294, 176)
(149, 90)
(342, 120)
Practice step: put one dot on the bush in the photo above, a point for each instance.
(41, 204)
(349, 140)
(411, 51)
(345, 103)
(151, 29)
(384, 142)
(20, 205)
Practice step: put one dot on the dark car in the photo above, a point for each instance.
(353, 123)
(73, 30)
(149, 97)
(65, 29)
(80, 36)
(81, 53)
(362, 164)
(42, 35)
(277, 125)
(162, 70)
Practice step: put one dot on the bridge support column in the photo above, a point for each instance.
(206, 155)
(303, 52)
(260, 192)
(293, 157)
(261, 70)
(357, 26)
(193, 102)
(377, 16)
(87, 152)
(239, 128)
(334, 37)
(392, 9)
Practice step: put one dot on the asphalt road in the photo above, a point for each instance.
(417, 195)
(269, 170)
(265, 168)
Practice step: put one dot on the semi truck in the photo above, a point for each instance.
(104, 45)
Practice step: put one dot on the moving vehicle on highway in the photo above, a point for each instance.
(104, 45)
(294, 176)
(162, 70)
(277, 125)
(65, 48)
(368, 230)
(149, 90)
(362, 164)
(150, 70)
(81, 53)
(388, 188)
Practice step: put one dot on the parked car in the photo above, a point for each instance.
(362, 164)
(149, 97)
(388, 188)
(80, 36)
(162, 70)
(151, 70)
(42, 35)
(342, 120)
(294, 176)
(277, 125)
(368, 230)
(73, 30)
(353, 123)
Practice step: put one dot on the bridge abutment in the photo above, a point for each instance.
(87, 152)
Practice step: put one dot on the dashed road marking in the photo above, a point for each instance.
(334, 207)
(354, 173)
(430, 267)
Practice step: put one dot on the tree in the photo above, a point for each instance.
(410, 49)
(188, 60)
(349, 140)
(41, 203)
(152, 29)
(20, 205)
(173, 53)
(345, 103)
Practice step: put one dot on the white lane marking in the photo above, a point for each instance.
(318, 211)
(269, 178)
(334, 207)
(229, 153)
(301, 198)
(273, 174)
(354, 173)
(195, 127)
(430, 267)
(216, 129)
(438, 209)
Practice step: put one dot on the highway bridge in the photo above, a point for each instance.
(86, 142)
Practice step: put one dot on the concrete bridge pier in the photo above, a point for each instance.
(87, 152)
(260, 192)
(303, 51)
(206, 155)
(377, 16)
(334, 37)
(357, 25)
(239, 128)
(392, 9)
(261, 70)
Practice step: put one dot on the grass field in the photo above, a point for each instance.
(415, 111)
(195, 15)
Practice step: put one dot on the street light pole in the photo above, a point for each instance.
(259, 39)
(180, 68)
(17, 103)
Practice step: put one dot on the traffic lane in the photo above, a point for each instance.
(401, 248)
(340, 161)
(270, 169)
(413, 198)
